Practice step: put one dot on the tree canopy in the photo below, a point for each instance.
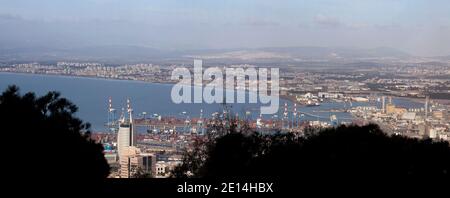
(49, 142)
(344, 151)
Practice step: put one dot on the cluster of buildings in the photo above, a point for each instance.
(140, 72)
(156, 153)
(131, 154)
(430, 121)
(129, 159)
(415, 80)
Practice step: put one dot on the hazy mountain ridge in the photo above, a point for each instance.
(111, 53)
(443, 58)
(305, 53)
(124, 54)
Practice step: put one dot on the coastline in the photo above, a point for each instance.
(86, 77)
(286, 97)
(103, 78)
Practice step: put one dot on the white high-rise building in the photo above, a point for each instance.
(125, 135)
(128, 161)
(126, 142)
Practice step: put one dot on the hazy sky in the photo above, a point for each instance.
(420, 27)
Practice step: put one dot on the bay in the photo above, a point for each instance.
(91, 96)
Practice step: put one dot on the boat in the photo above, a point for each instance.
(312, 104)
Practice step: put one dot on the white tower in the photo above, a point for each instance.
(125, 135)
(112, 121)
(285, 116)
(294, 117)
(426, 106)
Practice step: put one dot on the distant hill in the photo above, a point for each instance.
(126, 54)
(322, 52)
(296, 54)
(443, 58)
(113, 53)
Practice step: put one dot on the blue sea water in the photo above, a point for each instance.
(91, 96)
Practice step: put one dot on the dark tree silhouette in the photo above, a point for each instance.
(345, 151)
(49, 143)
(140, 173)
